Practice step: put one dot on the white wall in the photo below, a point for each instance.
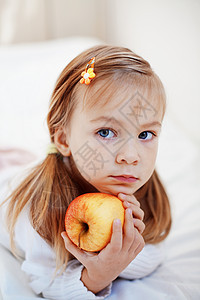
(37, 20)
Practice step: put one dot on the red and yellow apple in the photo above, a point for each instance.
(89, 218)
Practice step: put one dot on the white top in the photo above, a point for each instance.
(39, 262)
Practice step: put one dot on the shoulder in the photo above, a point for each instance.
(29, 241)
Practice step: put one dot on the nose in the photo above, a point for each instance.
(129, 153)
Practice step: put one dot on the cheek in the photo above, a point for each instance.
(149, 156)
(91, 159)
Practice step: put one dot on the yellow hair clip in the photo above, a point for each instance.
(88, 74)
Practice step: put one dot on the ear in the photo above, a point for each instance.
(61, 142)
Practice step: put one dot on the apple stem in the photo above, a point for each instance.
(79, 240)
(85, 229)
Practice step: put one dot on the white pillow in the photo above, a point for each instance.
(28, 74)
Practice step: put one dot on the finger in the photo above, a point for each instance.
(129, 234)
(136, 211)
(139, 225)
(137, 245)
(73, 249)
(115, 244)
(129, 198)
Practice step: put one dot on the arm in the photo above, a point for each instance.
(68, 284)
(145, 263)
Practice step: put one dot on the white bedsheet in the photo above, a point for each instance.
(178, 164)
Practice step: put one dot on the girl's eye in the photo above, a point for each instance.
(146, 135)
(106, 133)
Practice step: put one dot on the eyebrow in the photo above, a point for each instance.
(109, 119)
(106, 119)
(154, 123)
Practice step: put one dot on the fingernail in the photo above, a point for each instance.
(117, 222)
(62, 234)
(122, 196)
(127, 203)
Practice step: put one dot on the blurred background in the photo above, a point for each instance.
(165, 32)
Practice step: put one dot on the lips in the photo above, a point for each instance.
(125, 178)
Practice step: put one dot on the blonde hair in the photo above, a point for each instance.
(53, 184)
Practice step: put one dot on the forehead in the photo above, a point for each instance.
(122, 99)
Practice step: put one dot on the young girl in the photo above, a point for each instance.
(104, 121)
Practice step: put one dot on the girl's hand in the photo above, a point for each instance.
(129, 201)
(103, 267)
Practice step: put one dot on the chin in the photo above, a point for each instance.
(116, 189)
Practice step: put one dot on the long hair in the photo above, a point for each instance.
(55, 182)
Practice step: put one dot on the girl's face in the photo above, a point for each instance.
(114, 146)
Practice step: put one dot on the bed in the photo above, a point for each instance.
(27, 74)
